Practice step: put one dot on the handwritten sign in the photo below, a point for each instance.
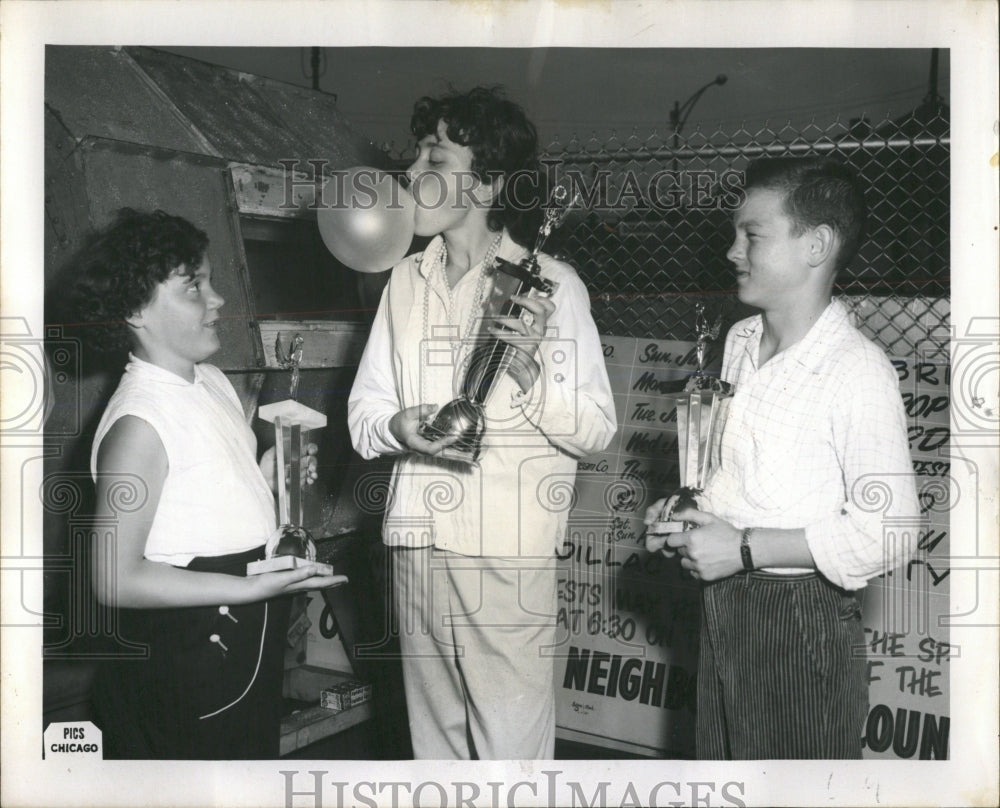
(626, 677)
(908, 648)
(629, 621)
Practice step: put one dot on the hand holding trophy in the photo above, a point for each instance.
(464, 417)
(701, 414)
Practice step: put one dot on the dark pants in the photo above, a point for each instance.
(782, 670)
(210, 688)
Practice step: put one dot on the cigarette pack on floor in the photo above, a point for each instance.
(344, 695)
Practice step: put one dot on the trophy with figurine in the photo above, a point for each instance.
(464, 417)
(290, 543)
(702, 408)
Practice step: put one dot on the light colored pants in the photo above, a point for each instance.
(477, 637)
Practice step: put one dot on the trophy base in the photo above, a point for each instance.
(288, 547)
(286, 562)
(683, 499)
(666, 528)
(462, 419)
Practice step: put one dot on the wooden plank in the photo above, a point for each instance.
(326, 343)
(267, 191)
(316, 723)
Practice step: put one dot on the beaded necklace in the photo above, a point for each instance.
(475, 310)
(485, 269)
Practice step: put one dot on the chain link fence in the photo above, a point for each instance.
(655, 223)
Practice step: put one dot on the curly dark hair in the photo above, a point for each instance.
(503, 142)
(120, 266)
(818, 190)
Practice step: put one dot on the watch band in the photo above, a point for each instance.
(745, 553)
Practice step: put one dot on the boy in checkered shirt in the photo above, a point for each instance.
(787, 530)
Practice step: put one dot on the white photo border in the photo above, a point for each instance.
(967, 28)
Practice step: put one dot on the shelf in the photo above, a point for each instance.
(312, 724)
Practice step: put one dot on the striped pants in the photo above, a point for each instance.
(782, 670)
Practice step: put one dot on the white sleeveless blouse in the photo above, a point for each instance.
(215, 500)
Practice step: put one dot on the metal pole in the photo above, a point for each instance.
(314, 63)
(677, 122)
(933, 100)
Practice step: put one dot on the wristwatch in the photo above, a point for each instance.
(745, 549)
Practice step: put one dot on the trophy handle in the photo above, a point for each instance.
(527, 273)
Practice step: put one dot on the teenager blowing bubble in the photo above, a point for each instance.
(472, 546)
(177, 476)
(785, 536)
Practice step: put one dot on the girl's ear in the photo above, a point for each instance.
(488, 192)
(496, 187)
(136, 322)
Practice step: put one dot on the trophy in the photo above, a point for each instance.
(701, 413)
(290, 542)
(464, 417)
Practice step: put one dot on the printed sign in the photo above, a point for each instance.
(627, 677)
(72, 738)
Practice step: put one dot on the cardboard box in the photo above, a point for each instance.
(324, 652)
(344, 695)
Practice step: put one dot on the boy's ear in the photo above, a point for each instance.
(823, 245)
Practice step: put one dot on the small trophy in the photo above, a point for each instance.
(464, 416)
(290, 542)
(701, 414)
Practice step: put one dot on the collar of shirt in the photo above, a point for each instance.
(147, 370)
(810, 351)
(428, 262)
